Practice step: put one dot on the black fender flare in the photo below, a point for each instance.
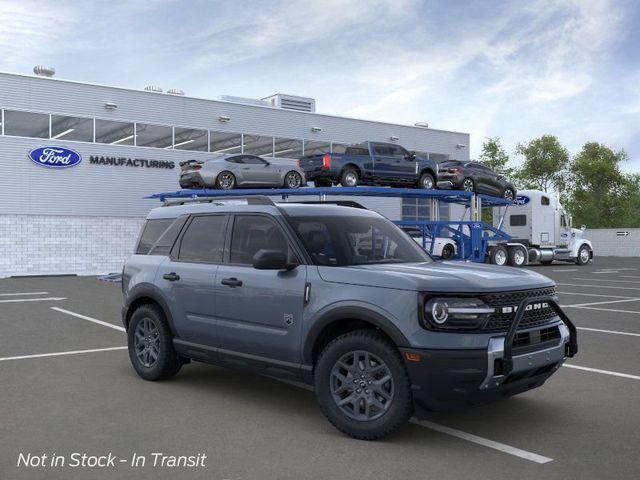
(146, 290)
(350, 312)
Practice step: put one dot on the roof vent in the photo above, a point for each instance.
(175, 91)
(44, 71)
(153, 88)
(291, 102)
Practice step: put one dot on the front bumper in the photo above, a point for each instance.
(445, 380)
(454, 379)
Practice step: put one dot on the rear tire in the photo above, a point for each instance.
(348, 369)
(349, 177)
(517, 256)
(427, 181)
(499, 255)
(225, 180)
(448, 252)
(468, 185)
(150, 344)
(292, 180)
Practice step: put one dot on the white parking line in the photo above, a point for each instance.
(533, 457)
(610, 310)
(23, 293)
(592, 294)
(485, 442)
(89, 319)
(566, 270)
(58, 354)
(46, 299)
(601, 303)
(616, 332)
(597, 286)
(605, 272)
(607, 280)
(629, 276)
(606, 372)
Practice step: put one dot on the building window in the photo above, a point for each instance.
(26, 124)
(190, 139)
(287, 148)
(71, 128)
(115, 133)
(157, 136)
(416, 209)
(225, 142)
(316, 148)
(258, 145)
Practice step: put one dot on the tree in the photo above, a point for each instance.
(545, 164)
(600, 195)
(495, 157)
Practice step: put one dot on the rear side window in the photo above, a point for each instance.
(252, 233)
(203, 241)
(151, 233)
(168, 238)
(518, 220)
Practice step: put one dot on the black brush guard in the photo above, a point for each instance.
(572, 346)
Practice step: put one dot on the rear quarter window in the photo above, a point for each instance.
(151, 233)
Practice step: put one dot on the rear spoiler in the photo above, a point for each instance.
(189, 162)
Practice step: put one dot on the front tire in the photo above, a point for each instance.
(362, 385)
(584, 255)
(150, 344)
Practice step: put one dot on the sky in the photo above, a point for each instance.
(514, 70)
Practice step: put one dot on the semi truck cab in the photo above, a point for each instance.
(540, 226)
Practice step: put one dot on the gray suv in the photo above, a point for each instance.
(340, 298)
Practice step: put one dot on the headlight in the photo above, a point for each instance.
(456, 313)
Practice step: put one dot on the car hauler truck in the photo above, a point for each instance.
(540, 231)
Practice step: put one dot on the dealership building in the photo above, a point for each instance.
(127, 144)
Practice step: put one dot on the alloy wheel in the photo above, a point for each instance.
(500, 257)
(508, 194)
(362, 385)
(351, 179)
(467, 185)
(226, 181)
(427, 182)
(584, 255)
(147, 342)
(293, 180)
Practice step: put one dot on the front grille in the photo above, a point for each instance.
(501, 321)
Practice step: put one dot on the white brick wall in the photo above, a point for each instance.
(53, 244)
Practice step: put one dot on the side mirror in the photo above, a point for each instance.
(272, 260)
(411, 156)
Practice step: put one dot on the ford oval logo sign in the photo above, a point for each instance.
(55, 157)
(521, 200)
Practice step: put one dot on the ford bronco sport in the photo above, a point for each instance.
(339, 298)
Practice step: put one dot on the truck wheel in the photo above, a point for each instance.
(448, 252)
(150, 344)
(349, 178)
(517, 256)
(362, 385)
(468, 185)
(426, 181)
(584, 255)
(499, 255)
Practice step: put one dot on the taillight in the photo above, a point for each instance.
(326, 160)
(298, 162)
(197, 167)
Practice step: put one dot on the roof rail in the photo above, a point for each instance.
(249, 199)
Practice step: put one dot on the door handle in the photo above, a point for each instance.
(232, 282)
(172, 277)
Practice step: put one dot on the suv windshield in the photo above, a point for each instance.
(341, 241)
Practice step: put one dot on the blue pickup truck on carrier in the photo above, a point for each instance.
(371, 163)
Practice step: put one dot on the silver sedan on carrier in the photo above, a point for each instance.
(241, 170)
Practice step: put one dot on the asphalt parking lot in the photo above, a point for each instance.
(67, 386)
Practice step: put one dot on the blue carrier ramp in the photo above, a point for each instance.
(472, 237)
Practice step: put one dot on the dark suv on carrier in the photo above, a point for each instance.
(339, 298)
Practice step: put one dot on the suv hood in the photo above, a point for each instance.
(450, 277)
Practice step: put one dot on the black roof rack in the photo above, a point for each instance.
(341, 203)
(249, 199)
